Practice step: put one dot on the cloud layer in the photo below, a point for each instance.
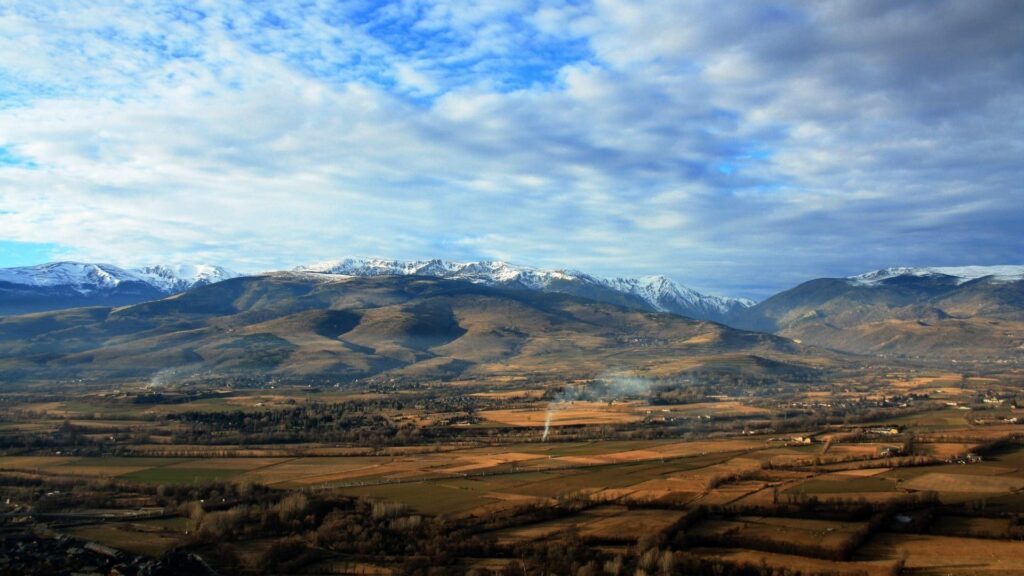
(737, 147)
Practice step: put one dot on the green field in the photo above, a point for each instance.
(943, 419)
(426, 497)
(853, 485)
(179, 475)
(122, 462)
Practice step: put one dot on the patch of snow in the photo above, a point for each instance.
(81, 277)
(179, 277)
(659, 292)
(87, 278)
(961, 273)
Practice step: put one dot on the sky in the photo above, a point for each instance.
(736, 147)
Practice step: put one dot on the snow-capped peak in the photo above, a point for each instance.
(962, 274)
(483, 272)
(658, 292)
(666, 295)
(79, 276)
(87, 278)
(178, 277)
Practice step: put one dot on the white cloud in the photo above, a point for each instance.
(414, 79)
(721, 144)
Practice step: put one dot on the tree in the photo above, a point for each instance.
(292, 507)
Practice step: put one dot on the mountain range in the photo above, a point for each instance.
(651, 293)
(69, 284)
(303, 324)
(59, 285)
(970, 311)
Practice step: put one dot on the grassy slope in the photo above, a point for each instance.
(297, 325)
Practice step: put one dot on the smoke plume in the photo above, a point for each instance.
(605, 388)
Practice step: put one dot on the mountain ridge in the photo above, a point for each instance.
(298, 324)
(68, 284)
(59, 285)
(658, 293)
(923, 311)
(939, 312)
(962, 274)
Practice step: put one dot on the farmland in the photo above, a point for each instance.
(863, 479)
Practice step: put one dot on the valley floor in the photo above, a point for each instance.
(921, 475)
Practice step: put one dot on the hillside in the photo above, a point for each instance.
(969, 312)
(294, 324)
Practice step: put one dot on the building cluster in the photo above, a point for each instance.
(969, 458)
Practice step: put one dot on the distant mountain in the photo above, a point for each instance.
(340, 327)
(59, 285)
(943, 312)
(971, 311)
(955, 274)
(652, 293)
(62, 285)
(664, 295)
(181, 277)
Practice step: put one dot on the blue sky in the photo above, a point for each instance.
(737, 147)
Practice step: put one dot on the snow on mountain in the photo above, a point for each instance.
(486, 272)
(86, 278)
(80, 277)
(667, 296)
(961, 273)
(180, 277)
(658, 292)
